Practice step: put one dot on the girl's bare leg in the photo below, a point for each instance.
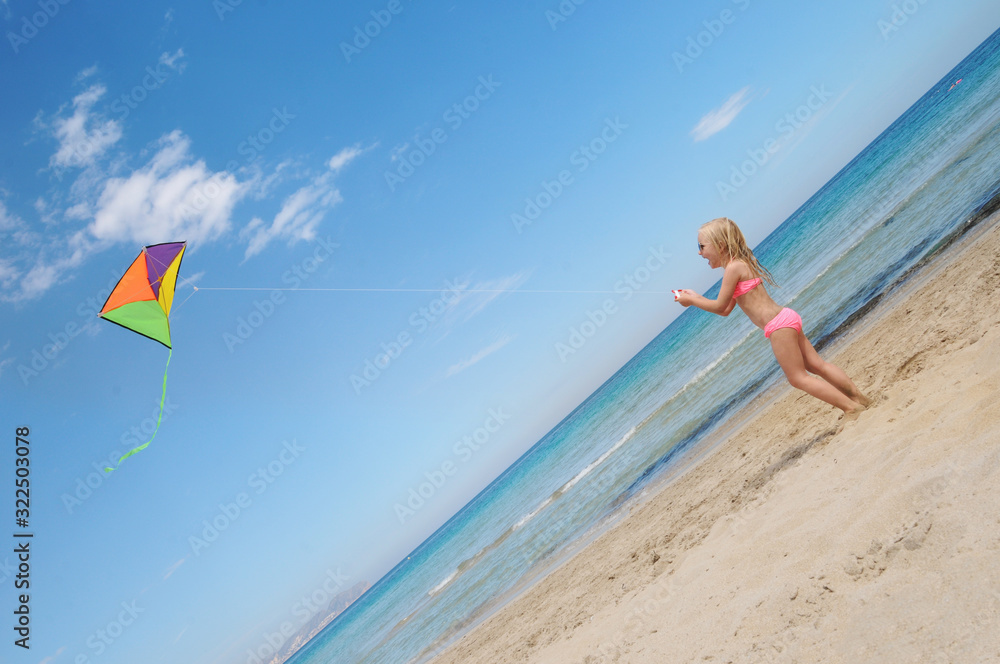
(786, 346)
(830, 372)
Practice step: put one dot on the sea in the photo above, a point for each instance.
(923, 184)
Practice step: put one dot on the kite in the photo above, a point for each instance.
(141, 302)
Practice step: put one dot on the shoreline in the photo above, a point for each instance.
(634, 593)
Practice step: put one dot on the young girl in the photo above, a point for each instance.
(721, 242)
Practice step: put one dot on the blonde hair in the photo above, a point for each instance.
(727, 237)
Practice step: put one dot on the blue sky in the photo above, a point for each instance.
(461, 153)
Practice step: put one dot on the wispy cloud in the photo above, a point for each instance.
(178, 637)
(8, 273)
(716, 120)
(25, 272)
(7, 361)
(85, 74)
(193, 279)
(483, 353)
(173, 568)
(343, 158)
(471, 298)
(300, 215)
(45, 272)
(85, 135)
(303, 211)
(173, 60)
(52, 658)
(28, 268)
(480, 295)
(398, 151)
(787, 143)
(13, 230)
(464, 298)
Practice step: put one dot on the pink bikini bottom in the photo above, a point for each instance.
(785, 318)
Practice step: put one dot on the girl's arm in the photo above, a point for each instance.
(724, 303)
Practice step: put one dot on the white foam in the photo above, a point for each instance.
(528, 517)
(441, 586)
(701, 374)
(604, 457)
(579, 476)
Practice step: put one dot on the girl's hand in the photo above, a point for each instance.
(685, 297)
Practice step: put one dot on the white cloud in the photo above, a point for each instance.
(13, 230)
(31, 270)
(787, 142)
(489, 350)
(44, 273)
(298, 218)
(303, 211)
(52, 658)
(343, 158)
(398, 151)
(173, 197)
(171, 60)
(80, 211)
(86, 73)
(484, 292)
(39, 279)
(84, 136)
(265, 184)
(11, 226)
(8, 273)
(8, 220)
(180, 634)
(46, 211)
(173, 568)
(5, 361)
(715, 121)
(472, 298)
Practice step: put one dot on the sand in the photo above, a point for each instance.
(789, 542)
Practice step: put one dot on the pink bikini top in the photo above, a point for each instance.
(744, 287)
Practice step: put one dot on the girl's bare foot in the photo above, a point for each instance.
(851, 415)
(861, 399)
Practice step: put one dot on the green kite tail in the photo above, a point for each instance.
(159, 417)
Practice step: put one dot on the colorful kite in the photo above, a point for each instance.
(141, 302)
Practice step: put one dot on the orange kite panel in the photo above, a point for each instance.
(134, 286)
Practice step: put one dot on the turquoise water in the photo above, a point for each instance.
(919, 186)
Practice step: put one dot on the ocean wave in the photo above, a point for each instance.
(696, 378)
(531, 515)
(604, 457)
(441, 586)
(468, 563)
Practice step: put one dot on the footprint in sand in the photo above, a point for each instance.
(910, 537)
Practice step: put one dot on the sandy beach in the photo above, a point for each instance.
(789, 542)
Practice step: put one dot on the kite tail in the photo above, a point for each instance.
(159, 417)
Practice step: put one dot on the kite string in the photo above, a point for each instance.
(158, 419)
(193, 291)
(187, 281)
(186, 299)
(423, 290)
